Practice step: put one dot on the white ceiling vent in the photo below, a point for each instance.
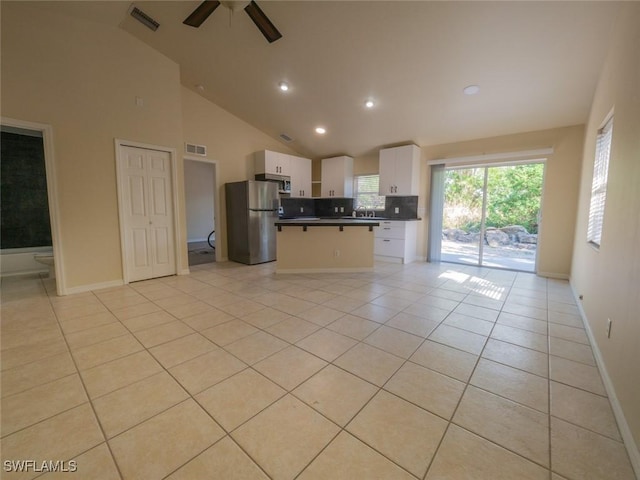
(195, 149)
(286, 138)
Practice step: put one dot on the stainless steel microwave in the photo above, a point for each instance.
(284, 183)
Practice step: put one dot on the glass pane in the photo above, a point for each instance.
(462, 215)
(366, 193)
(512, 217)
(509, 235)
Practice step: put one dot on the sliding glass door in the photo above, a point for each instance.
(462, 215)
(490, 215)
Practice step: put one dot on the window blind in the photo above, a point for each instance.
(599, 184)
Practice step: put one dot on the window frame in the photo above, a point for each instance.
(599, 181)
(356, 193)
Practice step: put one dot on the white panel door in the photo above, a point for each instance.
(148, 213)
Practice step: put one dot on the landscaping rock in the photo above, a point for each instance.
(457, 235)
(529, 238)
(514, 231)
(496, 238)
(469, 238)
(452, 234)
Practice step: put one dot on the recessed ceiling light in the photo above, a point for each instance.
(321, 130)
(369, 103)
(471, 89)
(284, 86)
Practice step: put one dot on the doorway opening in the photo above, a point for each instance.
(30, 235)
(491, 215)
(200, 198)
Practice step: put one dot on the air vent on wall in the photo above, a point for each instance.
(286, 138)
(195, 149)
(143, 18)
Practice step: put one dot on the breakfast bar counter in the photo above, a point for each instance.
(315, 245)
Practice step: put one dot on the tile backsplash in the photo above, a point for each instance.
(402, 208)
(334, 207)
(298, 207)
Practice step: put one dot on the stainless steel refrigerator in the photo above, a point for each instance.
(252, 209)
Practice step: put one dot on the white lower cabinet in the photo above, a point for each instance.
(395, 241)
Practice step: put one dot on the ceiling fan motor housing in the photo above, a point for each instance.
(235, 5)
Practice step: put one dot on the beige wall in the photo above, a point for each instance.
(609, 278)
(366, 165)
(560, 186)
(230, 142)
(82, 78)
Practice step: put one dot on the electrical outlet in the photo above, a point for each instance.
(336, 253)
(341, 209)
(335, 209)
(301, 209)
(609, 322)
(397, 210)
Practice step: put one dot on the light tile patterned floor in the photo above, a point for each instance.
(418, 371)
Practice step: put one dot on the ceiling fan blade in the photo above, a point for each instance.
(200, 14)
(267, 28)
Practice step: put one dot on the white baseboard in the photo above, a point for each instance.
(559, 276)
(382, 258)
(94, 286)
(625, 431)
(23, 273)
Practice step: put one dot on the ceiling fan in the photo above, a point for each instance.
(206, 8)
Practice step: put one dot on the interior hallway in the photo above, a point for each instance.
(414, 371)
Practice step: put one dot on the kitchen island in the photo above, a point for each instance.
(315, 245)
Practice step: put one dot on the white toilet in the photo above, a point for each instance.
(47, 259)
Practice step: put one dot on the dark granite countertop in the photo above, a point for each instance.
(386, 219)
(327, 222)
(350, 219)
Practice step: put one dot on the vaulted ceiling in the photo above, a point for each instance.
(536, 64)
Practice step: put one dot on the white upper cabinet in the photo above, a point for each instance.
(400, 170)
(300, 177)
(274, 163)
(298, 169)
(387, 171)
(337, 177)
